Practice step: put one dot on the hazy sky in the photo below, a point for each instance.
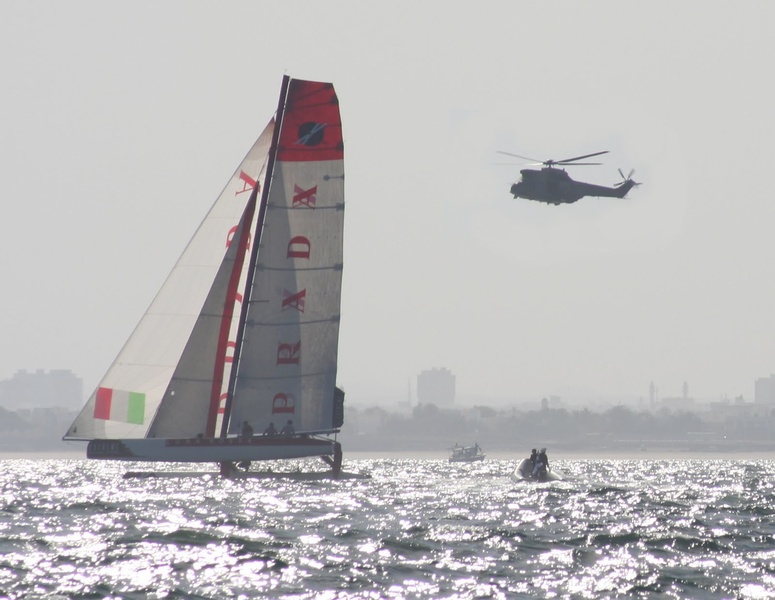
(121, 122)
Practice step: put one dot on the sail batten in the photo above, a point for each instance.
(307, 375)
(334, 267)
(300, 323)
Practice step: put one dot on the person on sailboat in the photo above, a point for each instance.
(247, 431)
(542, 465)
(538, 464)
(543, 458)
(270, 430)
(288, 430)
(533, 458)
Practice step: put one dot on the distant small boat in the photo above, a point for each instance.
(466, 453)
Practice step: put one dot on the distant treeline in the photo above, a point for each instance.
(35, 430)
(429, 427)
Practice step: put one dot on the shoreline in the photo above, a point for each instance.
(495, 455)
(571, 455)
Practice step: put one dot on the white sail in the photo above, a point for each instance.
(130, 393)
(191, 402)
(288, 359)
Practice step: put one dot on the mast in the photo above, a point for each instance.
(254, 254)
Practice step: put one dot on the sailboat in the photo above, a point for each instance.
(242, 337)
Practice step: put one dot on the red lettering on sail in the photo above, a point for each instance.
(299, 247)
(231, 234)
(288, 354)
(248, 183)
(222, 403)
(302, 197)
(292, 300)
(283, 403)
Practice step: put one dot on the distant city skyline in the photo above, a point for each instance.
(26, 383)
(650, 393)
(42, 389)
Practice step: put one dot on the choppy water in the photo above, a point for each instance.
(417, 529)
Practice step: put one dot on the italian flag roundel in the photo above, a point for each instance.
(118, 405)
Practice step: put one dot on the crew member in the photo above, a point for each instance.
(542, 465)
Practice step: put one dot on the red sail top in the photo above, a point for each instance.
(311, 126)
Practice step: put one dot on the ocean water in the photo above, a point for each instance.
(416, 529)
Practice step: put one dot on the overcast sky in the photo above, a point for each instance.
(121, 122)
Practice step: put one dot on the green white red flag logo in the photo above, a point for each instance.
(118, 405)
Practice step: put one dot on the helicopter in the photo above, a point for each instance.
(555, 186)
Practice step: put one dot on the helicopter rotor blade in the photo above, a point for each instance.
(574, 164)
(535, 160)
(575, 158)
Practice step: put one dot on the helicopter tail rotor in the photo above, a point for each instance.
(625, 185)
(626, 179)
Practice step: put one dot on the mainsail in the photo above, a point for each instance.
(246, 326)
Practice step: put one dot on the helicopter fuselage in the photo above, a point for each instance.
(555, 186)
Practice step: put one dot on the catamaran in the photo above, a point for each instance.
(235, 360)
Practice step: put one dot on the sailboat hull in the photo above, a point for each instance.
(209, 449)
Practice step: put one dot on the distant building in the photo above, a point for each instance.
(41, 389)
(683, 402)
(764, 390)
(653, 394)
(678, 402)
(436, 386)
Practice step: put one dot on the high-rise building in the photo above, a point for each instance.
(764, 390)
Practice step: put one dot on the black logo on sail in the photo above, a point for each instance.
(311, 134)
